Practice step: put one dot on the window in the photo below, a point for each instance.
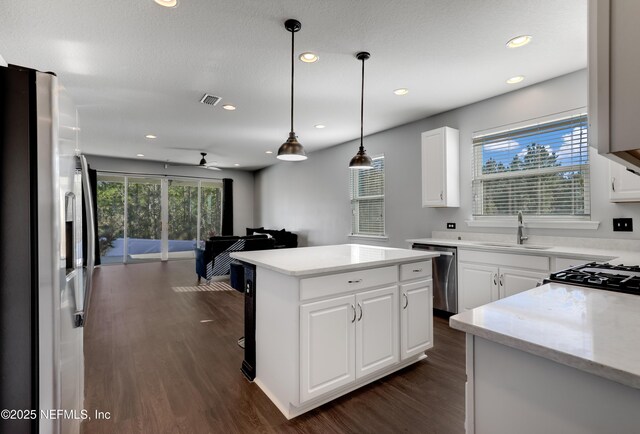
(367, 199)
(132, 224)
(541, 170)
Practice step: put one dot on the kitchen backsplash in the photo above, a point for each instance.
(587, 243)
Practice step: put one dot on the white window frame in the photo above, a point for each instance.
(354, 210)
(538, 221)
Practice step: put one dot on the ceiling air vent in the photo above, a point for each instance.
(210, 99)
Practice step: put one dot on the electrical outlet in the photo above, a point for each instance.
(451, 225)
(623, 225)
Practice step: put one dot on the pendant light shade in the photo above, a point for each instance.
(361, 159)
(292, 150)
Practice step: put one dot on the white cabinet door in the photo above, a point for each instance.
(416, 318)
(327, 340)
(564, 263)
(433, 168)
(441, 168)
(513, 281)
(624, 185)
(477, 285)
(376, 330)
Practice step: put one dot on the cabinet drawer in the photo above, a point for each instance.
(322, 286)
(530, 262)
(415, 270)
(563, 263)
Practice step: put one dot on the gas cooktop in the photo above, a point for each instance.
(620, 278)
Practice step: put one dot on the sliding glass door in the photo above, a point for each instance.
(144, 219)
(183, 218)
(111, 218)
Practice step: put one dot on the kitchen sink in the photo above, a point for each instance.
(510, 245)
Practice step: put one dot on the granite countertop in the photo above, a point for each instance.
(593, 330)
(600, 255)
(304, 261)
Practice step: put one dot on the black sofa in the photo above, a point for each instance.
(215, 259)
(283, 239)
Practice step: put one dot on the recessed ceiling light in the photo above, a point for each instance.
(401, 91)
(139, 155)
(519, 41)
(151, 136)
(167, 3)
(268, 152)
(516, 79)
(320, 126)
(308, 57)
(236, 164)
(229, 107)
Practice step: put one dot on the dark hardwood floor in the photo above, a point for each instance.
(152, 363)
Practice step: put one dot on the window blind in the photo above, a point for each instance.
(367, 199)
(541, 170)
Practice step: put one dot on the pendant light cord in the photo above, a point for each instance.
(362, 109)
(292, 74)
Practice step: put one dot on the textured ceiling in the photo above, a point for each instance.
(135, 68)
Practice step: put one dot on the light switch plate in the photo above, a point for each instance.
(623, 225)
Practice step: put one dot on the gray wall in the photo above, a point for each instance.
(312, 197)
(243, 199)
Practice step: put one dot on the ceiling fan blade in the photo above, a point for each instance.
(181, 165)
(210, 167)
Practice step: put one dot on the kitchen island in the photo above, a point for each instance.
(555, 359)
(330, 319)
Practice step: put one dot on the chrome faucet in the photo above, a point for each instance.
(520, 238)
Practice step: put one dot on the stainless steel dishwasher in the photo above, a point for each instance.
(445, 277)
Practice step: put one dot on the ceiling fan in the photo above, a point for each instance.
(202, 164)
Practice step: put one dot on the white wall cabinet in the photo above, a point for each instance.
(441, 168)
(614, 96)
(416, 318)
(624, 186)
(492, 276)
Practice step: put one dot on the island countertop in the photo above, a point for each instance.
(593, 330)
(305, 261)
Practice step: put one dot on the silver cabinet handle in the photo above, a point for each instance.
(613, 184)
(360, 306)
(495, 279)
(501, 278)
(417, 270)
(441, 195)
(354, 313)
(406, 300)
(355, 281)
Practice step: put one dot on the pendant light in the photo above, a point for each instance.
(292, 150)
(361, 159)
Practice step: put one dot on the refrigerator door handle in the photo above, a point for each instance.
(81, 316)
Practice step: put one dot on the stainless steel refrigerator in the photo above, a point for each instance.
(45, 283)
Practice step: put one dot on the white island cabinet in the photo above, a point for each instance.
(553, 359)
(331, 319)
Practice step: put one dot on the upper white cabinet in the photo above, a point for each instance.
(624, 185)
(614, 68)
(440, 168)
